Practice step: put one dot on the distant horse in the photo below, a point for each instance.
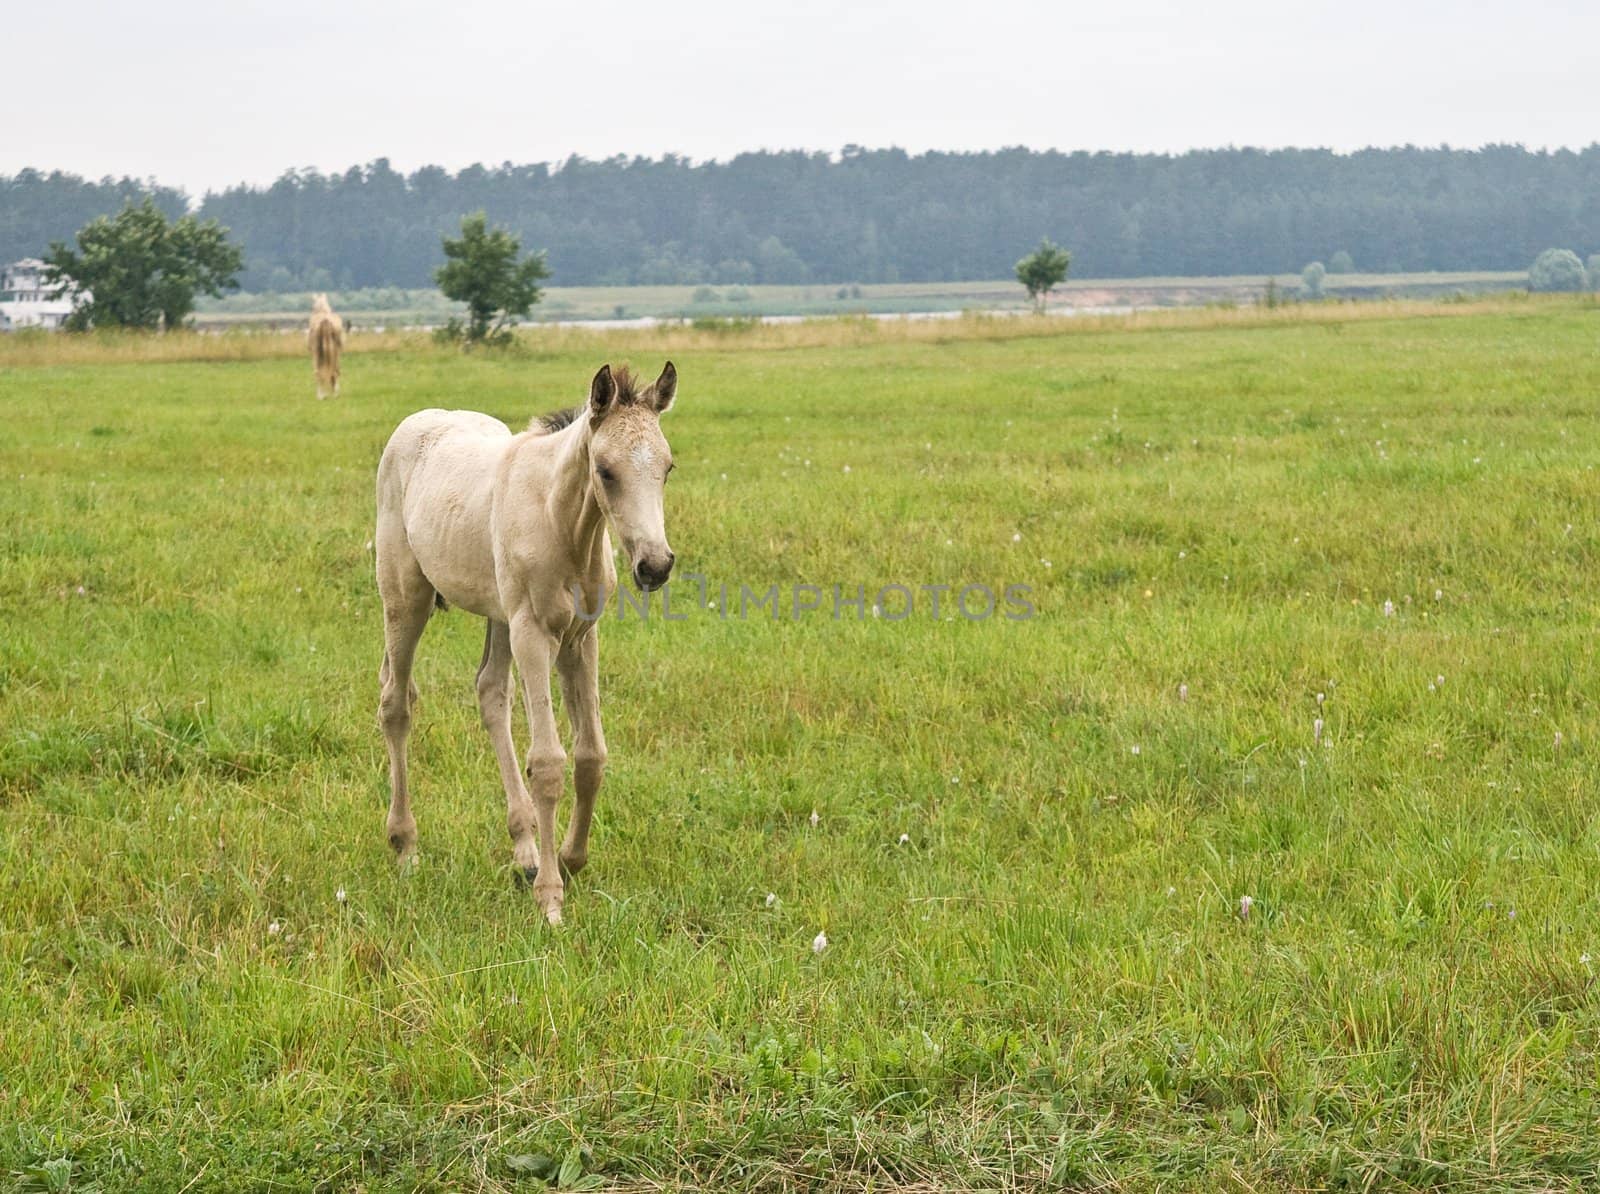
(513, 528)
(327, 338)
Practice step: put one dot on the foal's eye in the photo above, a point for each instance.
(606, 474)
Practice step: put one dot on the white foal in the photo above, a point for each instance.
(510, 527)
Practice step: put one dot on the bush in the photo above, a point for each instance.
(1556, 269)
(1592, 271)
(485, 269)
(1042, 270)
(736, 294)
(1341, 263)
(454, 332)
(1311, 278)
(704, 294)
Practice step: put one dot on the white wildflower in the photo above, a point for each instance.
(340, 895)
(819, 943)
(815, 819)
(772, 899)
(1245, 904)
(905, 839)
(274, 929)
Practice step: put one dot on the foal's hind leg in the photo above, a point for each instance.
(407, 602)
(494, 703)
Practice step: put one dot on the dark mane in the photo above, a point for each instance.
(627, 385)
(627, 395)
(556, 420)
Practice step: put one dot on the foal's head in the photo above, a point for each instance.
(629, 461)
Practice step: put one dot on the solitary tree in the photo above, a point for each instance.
(1311, 279)
(481, 269)
(1556, 269)
(1042, 270)
(141, 270)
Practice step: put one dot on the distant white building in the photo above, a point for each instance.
(26, 298)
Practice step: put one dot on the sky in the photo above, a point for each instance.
(205, 95)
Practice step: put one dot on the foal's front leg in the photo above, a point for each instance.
(546, 766)
(579, 666)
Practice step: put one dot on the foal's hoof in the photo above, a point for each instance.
(550, 897)
(524, 876)
(552, 910)
(404, 844)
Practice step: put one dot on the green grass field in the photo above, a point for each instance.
(1231, 530)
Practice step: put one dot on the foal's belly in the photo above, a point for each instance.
(460, 566)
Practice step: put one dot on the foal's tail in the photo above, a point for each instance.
(327, 335)
(326, 338)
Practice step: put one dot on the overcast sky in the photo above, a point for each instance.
(202, 95)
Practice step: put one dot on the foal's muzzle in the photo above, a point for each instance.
(652, 572)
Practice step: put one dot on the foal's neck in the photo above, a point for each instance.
(573, 506)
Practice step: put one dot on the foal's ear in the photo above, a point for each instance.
(602, 392)
(665, 389)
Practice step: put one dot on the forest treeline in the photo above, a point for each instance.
(882, 215)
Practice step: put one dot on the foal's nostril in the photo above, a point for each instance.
(652, 574)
